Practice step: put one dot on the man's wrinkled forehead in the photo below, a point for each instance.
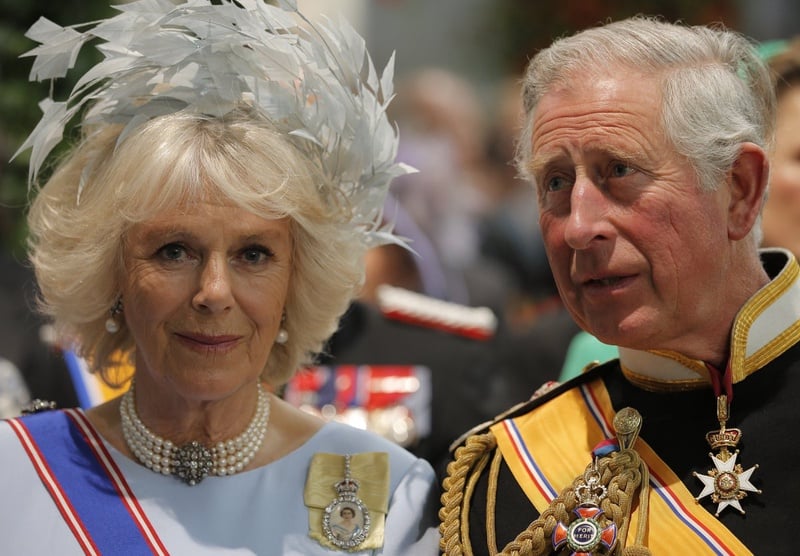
(604, 114)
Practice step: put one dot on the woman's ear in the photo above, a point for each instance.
(747, 182)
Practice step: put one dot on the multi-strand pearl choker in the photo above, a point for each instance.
(192, 462)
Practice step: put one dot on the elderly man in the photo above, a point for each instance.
(647, 144)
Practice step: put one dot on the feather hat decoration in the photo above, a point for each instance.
(315, 82)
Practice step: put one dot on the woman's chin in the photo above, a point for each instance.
(208, 386)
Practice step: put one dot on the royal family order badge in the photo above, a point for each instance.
(346, 519)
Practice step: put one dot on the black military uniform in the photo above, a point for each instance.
(467, 384)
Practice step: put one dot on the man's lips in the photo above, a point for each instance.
(607, 283)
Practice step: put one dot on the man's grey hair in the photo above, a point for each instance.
(716, 91)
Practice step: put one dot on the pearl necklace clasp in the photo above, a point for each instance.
(193, 461)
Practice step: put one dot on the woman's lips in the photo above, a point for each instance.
(206, 344)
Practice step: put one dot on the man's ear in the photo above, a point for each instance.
(748, 182)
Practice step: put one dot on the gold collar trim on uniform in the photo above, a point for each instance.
(765, 327)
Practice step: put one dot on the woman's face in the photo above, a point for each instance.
(781, 217)
(204, 290)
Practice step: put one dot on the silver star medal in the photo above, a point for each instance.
(728, 482)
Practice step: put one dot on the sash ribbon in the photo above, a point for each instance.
(85, 483)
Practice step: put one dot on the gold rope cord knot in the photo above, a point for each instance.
(621, 472)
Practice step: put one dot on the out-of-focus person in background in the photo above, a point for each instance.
(648, 144)
(210, 225)
(444, 136)
(509, 231)
(404, 362)
(781, 217)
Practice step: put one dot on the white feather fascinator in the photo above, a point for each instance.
(315, 82)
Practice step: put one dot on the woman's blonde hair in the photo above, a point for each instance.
(79, 220)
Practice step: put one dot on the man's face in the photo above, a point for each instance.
(639, 253)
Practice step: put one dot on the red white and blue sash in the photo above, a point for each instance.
(85, 483)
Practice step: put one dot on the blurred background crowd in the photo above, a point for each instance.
(471, 222)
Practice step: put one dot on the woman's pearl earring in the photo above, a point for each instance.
(282, 337)
(112, 326)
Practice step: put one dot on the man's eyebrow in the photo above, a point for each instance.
(624, 155)
(537, 164)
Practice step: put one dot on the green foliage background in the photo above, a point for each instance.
(19, 99)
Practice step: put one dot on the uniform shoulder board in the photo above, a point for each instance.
(544, 393)
(400, 304)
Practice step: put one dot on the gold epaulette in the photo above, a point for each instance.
(395, 303)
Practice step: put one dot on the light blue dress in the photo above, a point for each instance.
(258, 512)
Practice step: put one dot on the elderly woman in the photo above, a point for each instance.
(210, 226)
